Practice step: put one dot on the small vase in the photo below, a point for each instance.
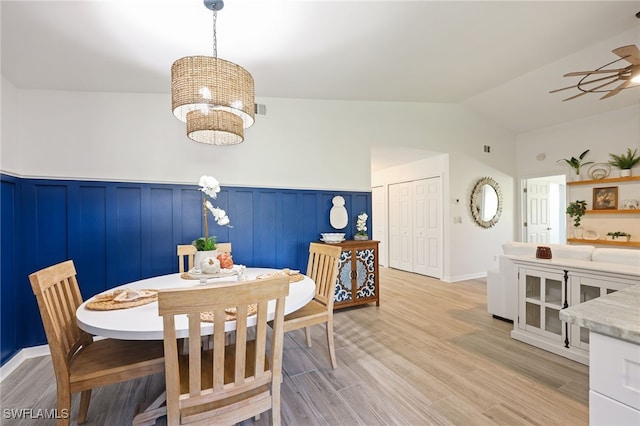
(359, 237)
(578, 232)
(201, 255)
(625, 172)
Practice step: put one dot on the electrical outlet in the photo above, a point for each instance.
(457, 219)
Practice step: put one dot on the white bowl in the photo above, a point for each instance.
(332, 237)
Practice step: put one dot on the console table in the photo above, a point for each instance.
(357, 274)
(547, 286)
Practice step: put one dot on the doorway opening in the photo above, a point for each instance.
(543, 210)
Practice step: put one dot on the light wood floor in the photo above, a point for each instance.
(429, 355)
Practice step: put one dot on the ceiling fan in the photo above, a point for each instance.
(603, 76)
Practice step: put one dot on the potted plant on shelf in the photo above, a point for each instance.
(206, 245)
(625, 162)
(575, 210)
(577, 163)
(623, 236)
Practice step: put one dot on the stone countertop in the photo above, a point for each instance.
(616, 314)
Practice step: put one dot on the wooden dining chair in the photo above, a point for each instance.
(188, 251)
(323, 269)
(79, 363)
(229, 383)
(223, 248)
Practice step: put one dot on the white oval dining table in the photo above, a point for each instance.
(144, 323)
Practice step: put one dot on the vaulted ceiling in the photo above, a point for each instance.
(499, 58)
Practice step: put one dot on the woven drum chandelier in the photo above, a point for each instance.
(213, 96)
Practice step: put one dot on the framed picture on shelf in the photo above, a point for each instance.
(605, 198)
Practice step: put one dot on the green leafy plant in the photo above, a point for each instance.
(575, 210)
(577, 163)
(617, 234)
(205, 243)
(625, 161)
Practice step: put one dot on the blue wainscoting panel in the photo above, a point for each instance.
(119, 232)
(9, 231)
(242, 233)
(88, 242)
(161, 249)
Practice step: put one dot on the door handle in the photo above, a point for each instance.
(548, 229)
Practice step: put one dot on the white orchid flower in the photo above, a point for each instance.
(209, 185)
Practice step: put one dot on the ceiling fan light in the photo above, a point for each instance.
(214, 127)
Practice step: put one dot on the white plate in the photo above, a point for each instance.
(196, 273)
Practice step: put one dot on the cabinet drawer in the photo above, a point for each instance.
(614, 369)
(605, 411)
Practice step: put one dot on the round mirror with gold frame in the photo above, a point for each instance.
(486, 202)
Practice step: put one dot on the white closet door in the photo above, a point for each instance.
(420, 226)
(406, 226)
(434, 228)
(394, 226)
(415, 226)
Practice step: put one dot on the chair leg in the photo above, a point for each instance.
(276, 416)
(307, 333)
(85, 398)
(332, 350)
(64, 407)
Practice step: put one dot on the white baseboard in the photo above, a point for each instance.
(453, 279)
(24, 354)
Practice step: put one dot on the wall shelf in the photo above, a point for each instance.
(603, 181)
(604, 242)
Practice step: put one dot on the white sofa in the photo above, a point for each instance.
(502, 283)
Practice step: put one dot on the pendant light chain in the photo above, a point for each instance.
(215, 39)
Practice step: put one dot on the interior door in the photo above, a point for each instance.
(538, 211)
(406, 227)
(434, 227)
(394, 226)
(427, 220)
(400, 226)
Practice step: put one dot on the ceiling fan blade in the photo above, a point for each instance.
(586, 82)
(631, 53)
(577, 73)
(592, 90)
(615, 91)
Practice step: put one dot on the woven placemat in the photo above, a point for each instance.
(231, 313)
(292, 277)
(105, 302)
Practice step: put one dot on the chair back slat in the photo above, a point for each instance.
(322, 268)
(226, 370)
(188, 251)
(223, 248)
(58, 296)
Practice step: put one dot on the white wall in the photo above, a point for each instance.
(468, 249)
(611, 132)
(299, 144)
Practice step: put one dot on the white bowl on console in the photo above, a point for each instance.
(332, 237)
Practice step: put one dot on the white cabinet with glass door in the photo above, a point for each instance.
(543, 295)
(545, 287)
(585, 289)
